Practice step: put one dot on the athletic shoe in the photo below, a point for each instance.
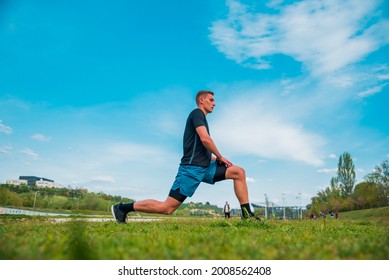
(256, 218)
(118, 214)
(250, 216)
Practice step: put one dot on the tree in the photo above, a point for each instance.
(8, 198)
(380, 174)
(346, 174)
(367, 195)
(380, 177)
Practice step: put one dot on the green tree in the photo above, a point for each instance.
(365, 195)
(9, 198)
(346, 174)
(380, 176)
(92, 201)
(58, 202)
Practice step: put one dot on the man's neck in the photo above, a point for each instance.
(202, 109)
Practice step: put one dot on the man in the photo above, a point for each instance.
(197, 165)
(227, 210)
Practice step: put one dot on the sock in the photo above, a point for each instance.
(129, 207)
(246, 207)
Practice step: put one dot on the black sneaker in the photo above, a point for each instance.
(118, 214)
(250, 216)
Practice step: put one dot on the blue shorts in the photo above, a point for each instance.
(189, 177)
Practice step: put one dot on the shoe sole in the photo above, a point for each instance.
(113, 212)
(114, 216)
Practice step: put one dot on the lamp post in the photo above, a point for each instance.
(297, 207)
(283, 203)
(301, 208)
(35, 199)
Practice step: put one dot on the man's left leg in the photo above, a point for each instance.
(238, 174)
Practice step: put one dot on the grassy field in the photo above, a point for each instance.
(358, 235)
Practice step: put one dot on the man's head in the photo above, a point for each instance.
(205, 101)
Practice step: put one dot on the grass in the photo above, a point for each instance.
(183, 238)
(374, 215)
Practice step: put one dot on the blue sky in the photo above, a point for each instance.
(95, 93)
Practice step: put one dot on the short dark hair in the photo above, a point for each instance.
(201, 93)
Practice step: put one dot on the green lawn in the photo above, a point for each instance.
(184, 238)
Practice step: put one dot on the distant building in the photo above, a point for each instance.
(31, 180)
(46, 184)
(16, 182)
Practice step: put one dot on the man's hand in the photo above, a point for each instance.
(225, 161)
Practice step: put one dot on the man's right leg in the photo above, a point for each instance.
(238, 175)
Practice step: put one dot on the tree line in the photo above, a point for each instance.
(344, 195)
(78, 199)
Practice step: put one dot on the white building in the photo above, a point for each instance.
(16, 182)
(46, 184)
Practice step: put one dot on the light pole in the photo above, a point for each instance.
(301, 208)
(297, 207)
(35, 199)
(283, 203)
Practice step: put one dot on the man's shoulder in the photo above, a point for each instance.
(197, 113)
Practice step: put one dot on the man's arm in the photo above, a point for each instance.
(210, 145)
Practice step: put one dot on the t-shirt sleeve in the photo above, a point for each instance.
(198, 119)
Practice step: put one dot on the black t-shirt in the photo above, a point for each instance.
(195, 152)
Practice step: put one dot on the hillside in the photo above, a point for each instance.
(380, 215)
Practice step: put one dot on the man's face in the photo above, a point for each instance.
(209, 103)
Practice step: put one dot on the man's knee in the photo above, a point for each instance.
(169, 210)
(239, 172)
(236, 173)
(170, 206)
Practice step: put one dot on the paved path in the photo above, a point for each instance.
(12, 211)
(4, 210)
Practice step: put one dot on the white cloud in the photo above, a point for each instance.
(371, 91)
(41, 138)
(6, 150)
(127, 151)
(250, 180)
(328, 170)
(331, 156)
(360, 170)
(5, 129)
(30, 153)
(259, 128)
(324, 35)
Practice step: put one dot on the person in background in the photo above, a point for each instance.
(227, 210)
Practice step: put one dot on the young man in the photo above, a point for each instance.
(197, 165)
